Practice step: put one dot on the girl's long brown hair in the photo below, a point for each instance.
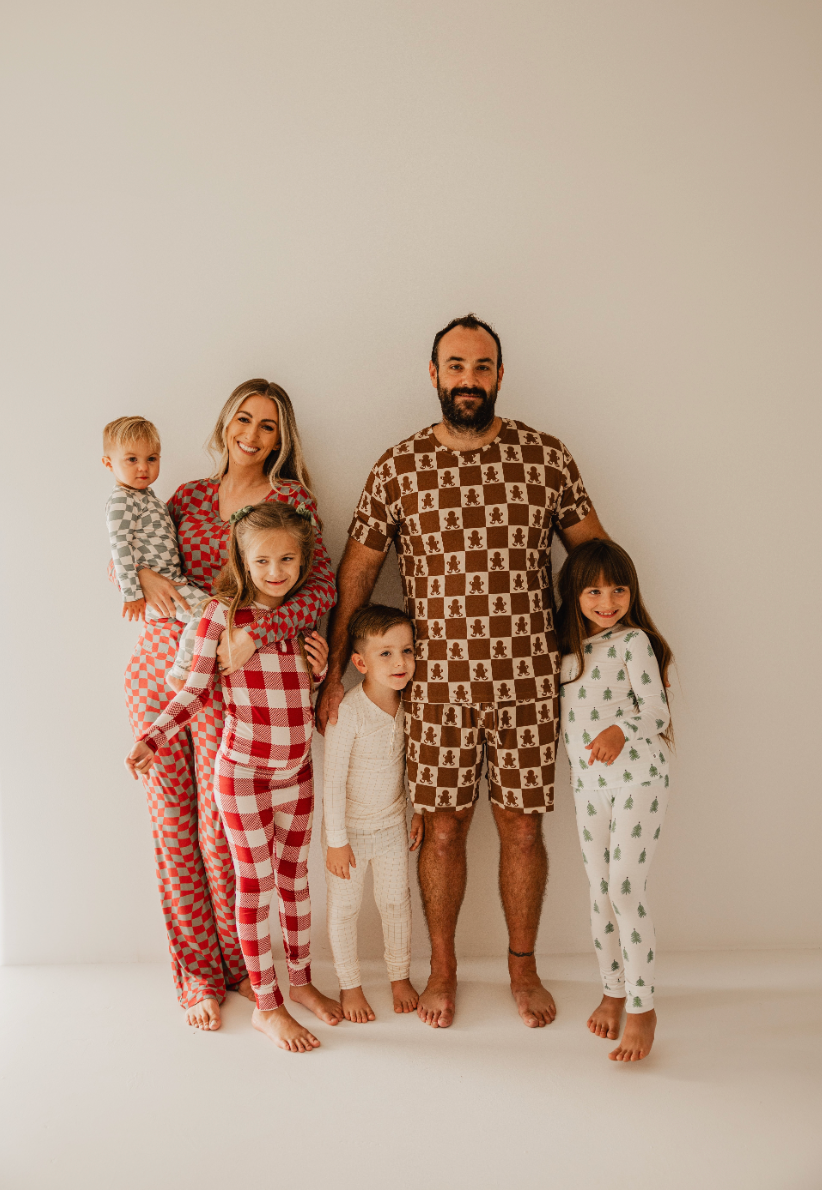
(601, 563)
(234, 587)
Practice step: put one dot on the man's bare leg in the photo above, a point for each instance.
(442, 872)
(523, 875)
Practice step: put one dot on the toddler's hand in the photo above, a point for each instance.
(242, 650)
(174, 682)
(139, 760)
(337, 860)
(417, 832)
(134, 609)
(607, 745)
(317, 651)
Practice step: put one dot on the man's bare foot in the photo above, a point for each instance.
(437, 1003)
(280, 1027)
(637, 1039)
(205, 1015)
(355, 1006)
(604, 1020)
(535, 1004)
(324, 1007)
(405, 995)
(245, 989)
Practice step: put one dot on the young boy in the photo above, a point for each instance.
(364, 807)
(140, 527)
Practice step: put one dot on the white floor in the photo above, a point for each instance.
(102, 1086)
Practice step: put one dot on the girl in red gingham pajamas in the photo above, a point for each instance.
(263, 776)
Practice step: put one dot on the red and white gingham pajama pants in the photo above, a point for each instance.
(267, 820)
(193, 862)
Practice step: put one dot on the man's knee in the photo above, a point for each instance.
(520, 832)
(446, 830)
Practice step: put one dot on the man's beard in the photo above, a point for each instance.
(476, 418)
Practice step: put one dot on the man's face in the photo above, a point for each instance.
(467, 378)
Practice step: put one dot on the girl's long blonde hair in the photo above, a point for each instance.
(286, 463)
(234, 587)
(604, 563)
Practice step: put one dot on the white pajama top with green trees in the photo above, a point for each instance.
(621, 684)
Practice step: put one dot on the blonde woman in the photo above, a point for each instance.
(259, 457)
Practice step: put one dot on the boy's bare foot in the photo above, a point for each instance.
(405, 995)
(637, 1039)
(604, 1020)
(324, 1007)
(535, 1004)
(280, 1027)
(205, 1015)
(355, 1006)
(437, 1003)
(245, 989)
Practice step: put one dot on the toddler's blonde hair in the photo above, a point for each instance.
(124, 431)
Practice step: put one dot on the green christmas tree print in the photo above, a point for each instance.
(642, 856)
(591, 810)
(650, 956)
(626, 776)
(619, 712)
(627, 656)
(597, 944)
(635, 937)
(579, 782)
(603, 886)
(625, 954)
(666, 780)
(582, 763)
(650, 651)
(646, 681)
(606, 694)
(637, 1002)
(640, 983)
(644, 783)
(621, 676)
(654, 772)
(601, 782)
(612, 651)
(656, 832)
(616, 911)
(587, 836)
(607, 856)
(629, 803)
(626, 887)
(617, 852)
(660, 723)
(571, 715)
(589, 649)
(595, 674)
(567, 741)
(613, 824)
(641, 911)
(594, 713)
(614, 965)
(633, 754)
(582, 692)
(609, 929)
(596, 907)
(636, 833)
(584, 858)
(586, 739)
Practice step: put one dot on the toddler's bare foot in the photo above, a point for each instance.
(324, 1007)
(355, 1006)
(604, 1020)
(405, 995)
(436, 1005)
(205, 1015)
(280, 1027)
(637, 1039)
(245, 989)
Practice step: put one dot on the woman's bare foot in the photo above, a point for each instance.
(205, 1015)
(637, 1039)
(324, 1007)
(280, 1027)
(437, 1003)
(245, 989)
(604, 1020)
(405, 995)
(355, 1006)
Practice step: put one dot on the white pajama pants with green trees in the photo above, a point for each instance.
(619, 827)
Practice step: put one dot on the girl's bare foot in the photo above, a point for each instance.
(405, 995)
(205, 1015)
(280, 1027)
(637, 1039)
(324, 1007)
(355, 1006)
(604, 1020)
(245, 989)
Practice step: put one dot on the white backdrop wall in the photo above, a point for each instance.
(200, 193)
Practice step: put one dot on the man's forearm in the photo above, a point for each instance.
(356, 579)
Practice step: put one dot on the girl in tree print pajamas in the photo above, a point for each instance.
(615, 720)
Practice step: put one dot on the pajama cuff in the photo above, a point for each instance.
(336, 839)
(270, 1001)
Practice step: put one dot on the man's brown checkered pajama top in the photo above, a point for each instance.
(473, 533)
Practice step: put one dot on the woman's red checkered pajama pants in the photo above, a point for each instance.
(194, 867)
(268, 827)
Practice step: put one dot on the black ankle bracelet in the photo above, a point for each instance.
(521, 954)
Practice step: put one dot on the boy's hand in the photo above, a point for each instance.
(317, 651)
(242, 650)
(337, 860)
(174, 682)
(417, 832)
(607, 745)
(134, 609)
(139, 760)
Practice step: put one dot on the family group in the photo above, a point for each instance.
(478, 673)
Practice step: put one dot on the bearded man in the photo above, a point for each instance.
(471, 505)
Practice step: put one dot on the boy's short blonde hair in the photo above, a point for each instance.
(375, 619)
(127, 430)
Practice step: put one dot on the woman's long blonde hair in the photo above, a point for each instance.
(286, 463)
(234, 587)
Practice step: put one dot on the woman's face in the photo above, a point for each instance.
(253, 432)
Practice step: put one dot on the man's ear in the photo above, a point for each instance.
(500, 374)
(359, 663)
(432, 372)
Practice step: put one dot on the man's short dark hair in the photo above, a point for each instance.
(471, 323)
(375, 619)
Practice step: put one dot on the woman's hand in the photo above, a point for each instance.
(161, 592)
(139, 760)
(242, 650)
(417, 832)
(134, 609)
(317, 650)
(607, 745)
(337, 860)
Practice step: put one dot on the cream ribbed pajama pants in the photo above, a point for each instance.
(387, 852)
(618, 831)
